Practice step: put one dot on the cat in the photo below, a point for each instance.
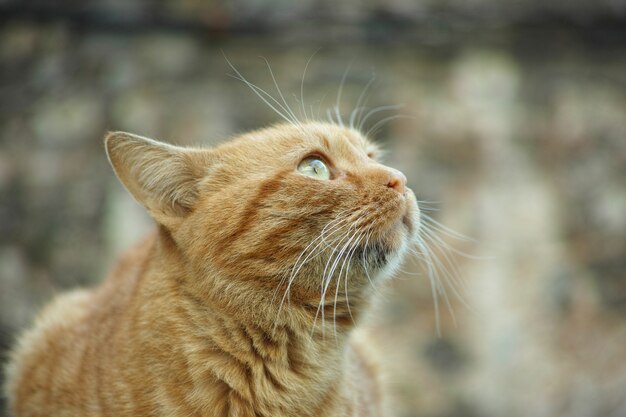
(245, 300)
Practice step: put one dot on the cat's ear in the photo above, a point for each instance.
(163, 178)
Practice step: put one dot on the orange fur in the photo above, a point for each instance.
(208, 317)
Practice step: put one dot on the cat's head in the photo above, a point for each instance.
(295, 209)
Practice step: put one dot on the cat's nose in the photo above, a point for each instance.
(396, 180)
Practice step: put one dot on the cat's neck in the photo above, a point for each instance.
(285, 360)
(282, 368)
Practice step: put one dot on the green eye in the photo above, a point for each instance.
(314, 167)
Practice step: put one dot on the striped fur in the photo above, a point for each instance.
(220, 312)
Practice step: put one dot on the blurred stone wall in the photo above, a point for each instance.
(271, 14)
(519, 145)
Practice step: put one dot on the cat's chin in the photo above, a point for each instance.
(385, 255)
(386, 259)
(390, 250)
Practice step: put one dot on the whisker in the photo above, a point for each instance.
(374, 129)
(318, 241)
(339, 257)
(374, 111)
(434, 287)
(446, 267)
(429, 202)
(260, 92)
(451, 274)
(429, 209)
(329, 116)
(319, 104)
(339, 93)
(328, 273)
(302, 86)
(322, 240)
(345, 279)
(436, 257)
(280, 93)
(366, 246)
(337, 225)
(358, 108)
(446, 230)
(445, 249)
(295, 268)
(324, 286)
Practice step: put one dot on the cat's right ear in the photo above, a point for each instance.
(161, 177)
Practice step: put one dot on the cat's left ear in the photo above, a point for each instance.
(161, 177)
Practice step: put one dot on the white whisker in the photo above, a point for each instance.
(262, 94)
(345, 279)
(446, 230)
(333, 261)
(434, 287)
(280, 93)
(329, 116)
(365, 254)
(374, 111)
(339, 93)
(450, 273)
(324, 286)
(374, 129)
(302, 87)
(359, 107)
(327, 231)
(345, 248)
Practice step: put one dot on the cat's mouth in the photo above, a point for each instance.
(374, 255)
(407, 221)
(378, 254)
(391, 243)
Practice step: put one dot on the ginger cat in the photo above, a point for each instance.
(244, 301)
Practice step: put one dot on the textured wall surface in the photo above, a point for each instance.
(517, 143)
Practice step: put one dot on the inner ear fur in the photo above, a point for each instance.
(161, 177)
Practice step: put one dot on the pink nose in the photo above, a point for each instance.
(396, 180)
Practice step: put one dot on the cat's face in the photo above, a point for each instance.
(299, 208)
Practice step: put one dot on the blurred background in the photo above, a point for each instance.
(516, 135)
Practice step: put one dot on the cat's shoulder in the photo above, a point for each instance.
(64, 329)
(65, 312)
(130, 262)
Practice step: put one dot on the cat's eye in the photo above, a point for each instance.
(314, 167)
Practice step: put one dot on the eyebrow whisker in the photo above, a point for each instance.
(339, 93)
(302, 86)
(359, 106)
(280, 93)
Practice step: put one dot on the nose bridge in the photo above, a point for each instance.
(389, 177)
